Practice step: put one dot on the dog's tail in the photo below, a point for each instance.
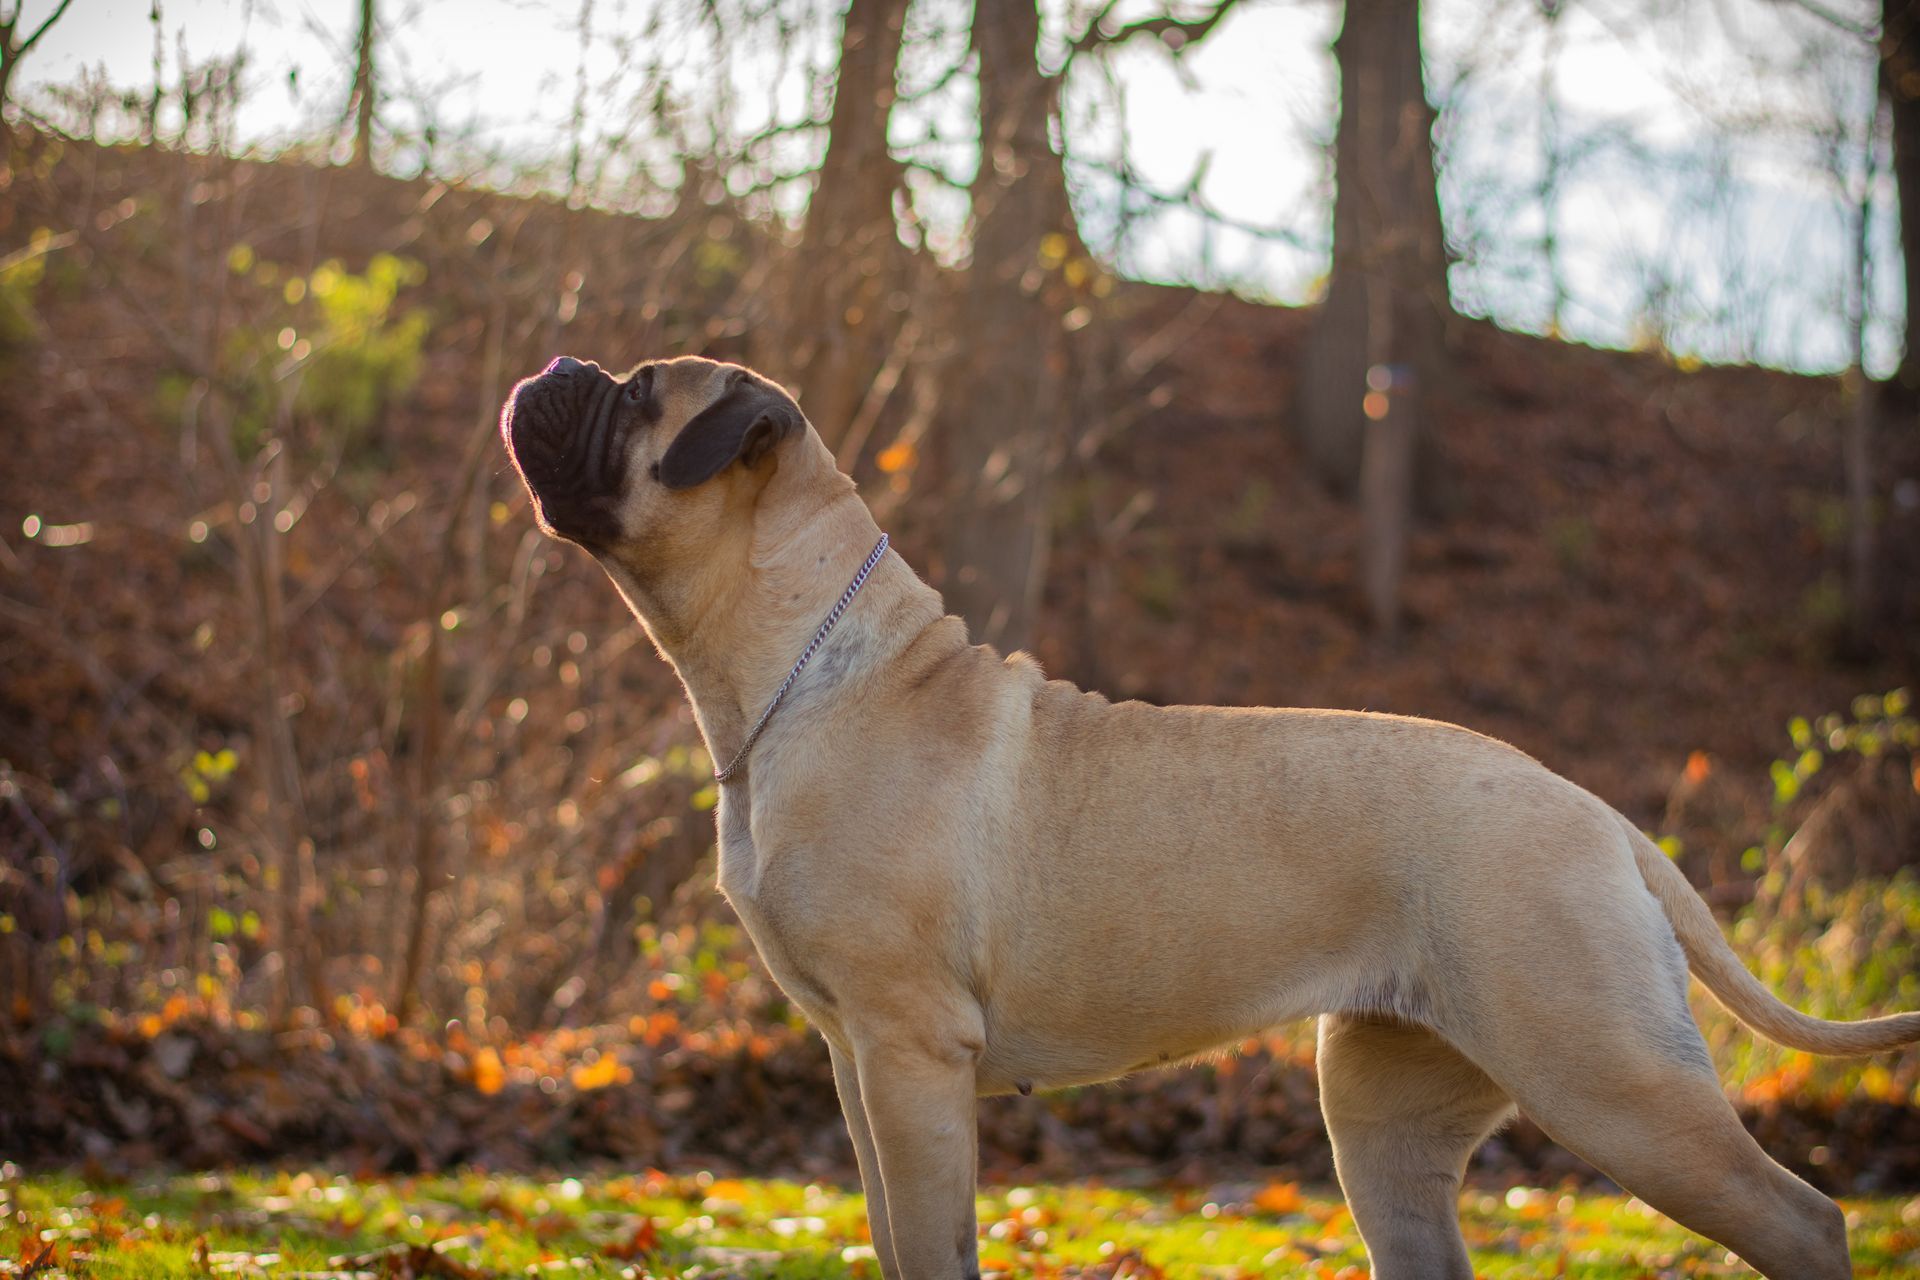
(1720, 971)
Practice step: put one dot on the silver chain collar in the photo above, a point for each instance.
(806, 656)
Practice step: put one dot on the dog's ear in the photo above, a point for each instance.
(744, 424)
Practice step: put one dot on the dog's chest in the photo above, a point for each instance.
(739, 866)
(740, 880)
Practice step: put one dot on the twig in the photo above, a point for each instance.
(879, 392)
(1177, 34)
(37, 249)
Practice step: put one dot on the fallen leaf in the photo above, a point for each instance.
(1279, 1197)
(645, 1239)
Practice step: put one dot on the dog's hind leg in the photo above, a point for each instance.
(1661, 1127)
(1405, 1111)
(1596, 1043)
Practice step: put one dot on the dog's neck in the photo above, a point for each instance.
(734, 635)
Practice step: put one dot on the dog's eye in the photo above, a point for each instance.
(639, 387)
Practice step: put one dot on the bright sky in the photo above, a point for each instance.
(1754, 265)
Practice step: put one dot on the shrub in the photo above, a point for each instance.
(329, 348)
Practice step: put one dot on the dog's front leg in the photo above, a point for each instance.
(847, 1080)
(917, 1088)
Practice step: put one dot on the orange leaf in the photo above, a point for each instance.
(644, 1240)
(897, 456)
(1279, 1197)
(1699, 765)
(598, 1074)
(489, 1076)
(33, 1262)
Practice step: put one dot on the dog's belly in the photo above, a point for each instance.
(1204, 955)
(1086, 1033)
(1022, 1061)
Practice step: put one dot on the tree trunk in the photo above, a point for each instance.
(363, 90)
(1857, 442)
(849, 261)
(261, 576)
(1386, 227)
(1900, 86)
(1386, 467)
(1003, 400)
(7, 64)
(426, 844)
(1856, 448)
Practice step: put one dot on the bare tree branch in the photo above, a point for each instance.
(1188, 196)
(26, 46)
(1177, 34)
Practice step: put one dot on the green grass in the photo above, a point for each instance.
(653, 1225)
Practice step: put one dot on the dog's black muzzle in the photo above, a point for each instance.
(565, 432)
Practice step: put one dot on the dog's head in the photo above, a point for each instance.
(646, 467)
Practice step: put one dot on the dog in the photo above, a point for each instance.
(974, 880)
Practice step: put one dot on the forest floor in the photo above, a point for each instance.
(651, 1225)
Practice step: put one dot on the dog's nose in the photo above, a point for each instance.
(564, 364)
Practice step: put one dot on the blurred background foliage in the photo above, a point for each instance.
(318, 762)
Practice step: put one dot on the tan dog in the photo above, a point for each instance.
(974, 880)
